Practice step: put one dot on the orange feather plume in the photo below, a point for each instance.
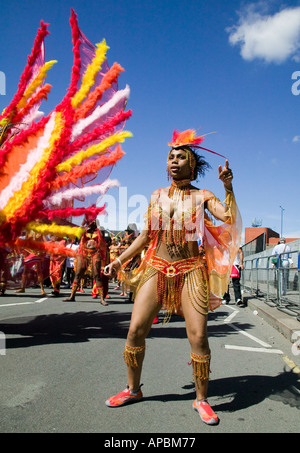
(187, 137)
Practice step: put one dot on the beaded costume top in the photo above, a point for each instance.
(187, 220)
(92, 243)
(177, 218)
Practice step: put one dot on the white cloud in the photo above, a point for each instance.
(271, 38)
(296, 139)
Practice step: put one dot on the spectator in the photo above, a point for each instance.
(235, 278)
(282, 252)
(70, 273)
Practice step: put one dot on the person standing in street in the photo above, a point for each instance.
(235, 275)
(282, 252)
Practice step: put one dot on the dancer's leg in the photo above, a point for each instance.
(196, 327)
(145, 308)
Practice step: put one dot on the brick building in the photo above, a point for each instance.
(271, 237)
(252, 233)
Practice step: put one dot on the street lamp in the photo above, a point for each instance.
(281, 229)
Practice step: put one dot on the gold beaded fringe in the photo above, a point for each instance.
(130, 354)
(200, 366)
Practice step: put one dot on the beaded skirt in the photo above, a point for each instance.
(171, 278)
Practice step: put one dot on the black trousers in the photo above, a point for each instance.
(236, 288)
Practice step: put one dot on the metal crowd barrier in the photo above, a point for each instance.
(276, 281)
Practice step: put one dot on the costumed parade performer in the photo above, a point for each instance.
(47, 162)
(123, 276)
(4, 269)
(31, 261)
(173, 275)
(56, 265)
(104, 278)
(90, 253)
(114, 252)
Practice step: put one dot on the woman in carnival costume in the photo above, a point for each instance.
(30, 261)
(175, 275)
(114, 252)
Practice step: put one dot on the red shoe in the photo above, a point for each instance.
(155, 320)
(125, 397)
(206, 413)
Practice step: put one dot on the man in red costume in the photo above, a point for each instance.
(90, 253)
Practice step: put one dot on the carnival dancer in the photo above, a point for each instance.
(33, 260)
(91, 250)
(114, 252)
(104, 278)
(4, 269)
(172, 275)
(55, 268)
(114, 249)
(123, 277)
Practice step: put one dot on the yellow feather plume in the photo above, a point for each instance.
(37, 81)
(94, 149)
(57, 230)
(90, 74)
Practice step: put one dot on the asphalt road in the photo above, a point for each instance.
(59, 362)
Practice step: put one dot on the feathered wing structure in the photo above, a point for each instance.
(21, 113)
(31, 89)
(52, 161)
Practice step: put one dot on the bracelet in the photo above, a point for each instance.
(119, 261)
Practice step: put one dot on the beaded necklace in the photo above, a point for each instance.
(170, 229)
(179, 189)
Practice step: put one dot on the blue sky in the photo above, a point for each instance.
(223, 66)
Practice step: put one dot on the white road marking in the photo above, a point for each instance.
(252, 337)
(230, 317)
(248, 335)
(25, 303)
(247, 348)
